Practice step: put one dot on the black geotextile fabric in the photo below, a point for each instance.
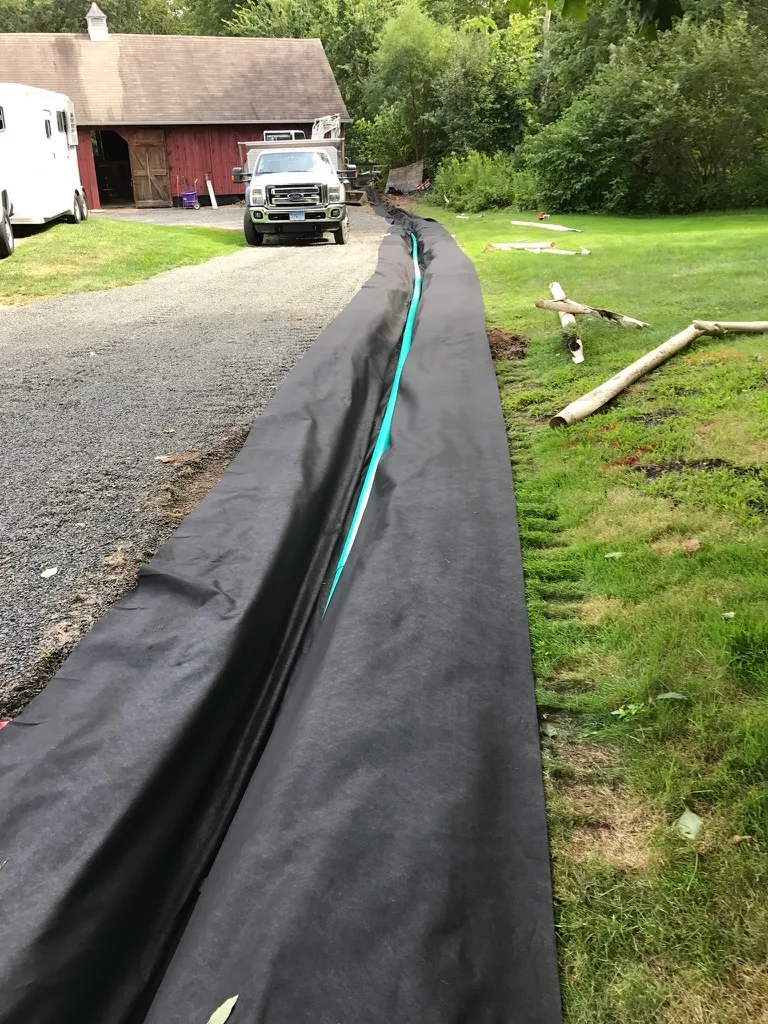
(374, 773)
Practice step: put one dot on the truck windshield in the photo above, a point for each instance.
(279, 163)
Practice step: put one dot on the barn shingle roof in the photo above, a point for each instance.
(146, 80)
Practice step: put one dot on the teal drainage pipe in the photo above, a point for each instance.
(385, 431)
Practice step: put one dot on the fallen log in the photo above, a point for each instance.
(567, 252)
(538, 247)
(598, 397)
(541, 224)
(735, 326)
(565, 305)
(568, 323)
(529, 246)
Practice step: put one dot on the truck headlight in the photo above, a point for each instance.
(334, 193)
(257, 196)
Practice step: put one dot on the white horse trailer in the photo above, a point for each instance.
(39, 176)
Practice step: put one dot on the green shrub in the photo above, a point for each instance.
(385, 140)
(675, 125)
(479, 182)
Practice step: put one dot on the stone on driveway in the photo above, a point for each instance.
(94, 387)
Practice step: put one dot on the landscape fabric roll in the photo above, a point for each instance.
(337, 814)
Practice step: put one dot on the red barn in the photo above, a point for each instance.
(157, 114)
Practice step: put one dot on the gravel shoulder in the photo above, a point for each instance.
(94, 387)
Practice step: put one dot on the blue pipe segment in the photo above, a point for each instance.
(385, 431)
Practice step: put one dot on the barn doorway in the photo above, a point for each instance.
(113, 168)
(149, 168)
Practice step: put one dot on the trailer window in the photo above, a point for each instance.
(2, 120)
(61, 120)
(48, 132)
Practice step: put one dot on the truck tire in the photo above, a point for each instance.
(252, 236)
(7, 241)
(341, 234)
(83, 206)
(77, 214)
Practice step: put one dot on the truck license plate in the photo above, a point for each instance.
(296, 215)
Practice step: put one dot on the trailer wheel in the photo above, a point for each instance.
(252, 236)
(341, 234)
(7, 241)
(83, 206)
(77, 214)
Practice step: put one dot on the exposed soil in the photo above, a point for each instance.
(192, 474)
(118, 574)
(406, 202)
(507, 345)
(631, 460)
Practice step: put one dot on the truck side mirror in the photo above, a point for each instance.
(237, 175)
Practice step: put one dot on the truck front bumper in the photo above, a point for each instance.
(315, 219)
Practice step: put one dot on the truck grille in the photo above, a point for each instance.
(295, 195)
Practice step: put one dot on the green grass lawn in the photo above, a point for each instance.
(646, 554)
(67, 258)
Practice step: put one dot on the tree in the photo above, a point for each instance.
(571, 53)
(674, 125)
(209, 17)
(482, 103)
(406, 70)
(385, 140)
(348, 30)
(147, 16)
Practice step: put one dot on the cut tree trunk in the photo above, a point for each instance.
(598, 397)
(735, 326)
(568, 322)
(571, 306)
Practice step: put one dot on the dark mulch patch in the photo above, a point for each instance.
(506, 344)
(703, 465)
(650, 419)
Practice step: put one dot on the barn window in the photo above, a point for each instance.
(2, 120)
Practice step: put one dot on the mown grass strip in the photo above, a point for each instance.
(63, 259)
(646, 554)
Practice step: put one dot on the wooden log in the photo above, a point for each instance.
(567, 252)
(568, 323)
(735, 326)
(528, 246)
(541, 224)
(597, 398)
(579, 308)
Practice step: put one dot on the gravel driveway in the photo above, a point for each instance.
(229, 217)
(94, 387)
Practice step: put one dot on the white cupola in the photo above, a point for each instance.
(97, 24)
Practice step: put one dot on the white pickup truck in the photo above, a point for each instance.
(293, 188)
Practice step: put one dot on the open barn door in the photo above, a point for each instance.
(149, 168)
